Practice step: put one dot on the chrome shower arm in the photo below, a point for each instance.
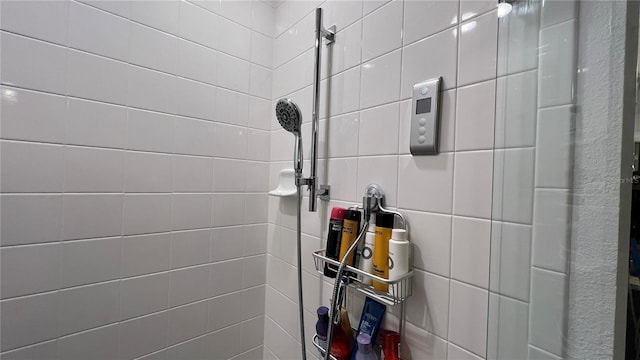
(329, 35)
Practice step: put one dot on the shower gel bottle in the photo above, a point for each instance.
(350, 229)
(333, 239)
(399, 252)
(366, 258)
(384, 226)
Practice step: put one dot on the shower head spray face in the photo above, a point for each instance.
(289, 117)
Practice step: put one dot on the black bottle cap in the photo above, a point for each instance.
(354, 215)
(385, 220)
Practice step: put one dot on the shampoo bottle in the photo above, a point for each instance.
(350, 228)
(384, 226)
(333, 239)
(399, 249)
(366, 258)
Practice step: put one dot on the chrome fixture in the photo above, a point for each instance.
(290, 118)
(329, 35)
(504, 7)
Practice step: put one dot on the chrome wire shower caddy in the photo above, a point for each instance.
(399, 289)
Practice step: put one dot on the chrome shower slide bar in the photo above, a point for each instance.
(329, 35)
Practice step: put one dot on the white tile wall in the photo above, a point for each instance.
(476, 210)
(112, 150)
(534, 122)
(364, 140)
(185, 202)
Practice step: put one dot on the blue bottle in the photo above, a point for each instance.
(322, 326)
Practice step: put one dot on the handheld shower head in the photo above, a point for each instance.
(289, 117)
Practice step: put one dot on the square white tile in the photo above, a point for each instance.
(90, 306)
(191, 211)
(197, 62)
(548, 310)
(198, 25)
(139, 136)
(143, 295)
(192, 174)
(510, 259)
(89, 216)
(428, 307)
(552, 229)
(147, 172)
(93, 170)
(44, 20)
(554, 145)
(557, 62)
(472, 186)
(31, 219)
(419, 64)
(475, 116)
(44, 172)
(194, 137)
(153, 49)
(470, 251)
(29, 269)
(468, 317)
(98, 32)
(146, 213)
(513, 175)
(86, 70)
(187, 322)
(186, 285)
(142, 335)
(33, 64)
(104, 255)
(190, 248)
(415, 172)
(516, 108)
(144, 254)
(378, 133)
(33, 318)
(477, 58)
(96, 124)
(508, 328)
(101, 342)
(425, 18)
(382, 30)
(431, 238)
(32, 115)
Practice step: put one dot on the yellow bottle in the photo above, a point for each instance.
(384, 225)
(350, 228)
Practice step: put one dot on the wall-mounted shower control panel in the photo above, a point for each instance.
(425, 117)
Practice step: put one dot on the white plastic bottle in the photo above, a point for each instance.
(366, 258)
(399, 252)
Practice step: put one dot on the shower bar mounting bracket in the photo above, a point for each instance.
(329, 34)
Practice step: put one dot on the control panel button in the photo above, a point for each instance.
(422, 122)
(421, 139)
(422, 130)
(424, 90)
